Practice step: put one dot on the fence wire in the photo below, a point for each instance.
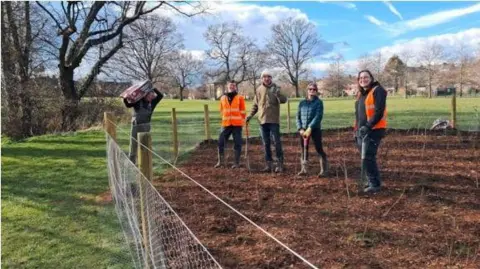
(155, 234)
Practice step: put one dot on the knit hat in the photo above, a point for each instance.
(266, 72)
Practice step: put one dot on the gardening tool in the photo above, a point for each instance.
(362, 180)
(247, 160)
(303, 170)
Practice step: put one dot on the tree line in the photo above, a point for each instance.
(127, 41)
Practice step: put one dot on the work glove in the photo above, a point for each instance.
(308, 132)
(301, 131)
(248, 118)
(364, 131)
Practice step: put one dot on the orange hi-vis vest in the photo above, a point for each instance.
(370, 111)
(232, 114)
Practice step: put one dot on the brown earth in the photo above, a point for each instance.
(427, 215)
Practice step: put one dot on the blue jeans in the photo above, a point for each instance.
(268, 130)
(370, 159)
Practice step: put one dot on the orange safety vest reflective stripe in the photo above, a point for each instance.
(370, 110)
(233, 114)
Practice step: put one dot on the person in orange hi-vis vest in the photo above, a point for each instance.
(232, 110)
(370, 125)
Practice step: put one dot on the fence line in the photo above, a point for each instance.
(140, 145)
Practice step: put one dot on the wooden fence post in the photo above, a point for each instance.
(145, 164)
(175, 135)
(207, 122)
(288, 116)
(454, 109)
(108, 124)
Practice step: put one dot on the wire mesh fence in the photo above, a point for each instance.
(156, 235)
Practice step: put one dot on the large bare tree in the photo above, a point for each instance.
(430, 56)
(185, 70)
(293, 43)
(86, 26)
(152, 42)
(229, 52)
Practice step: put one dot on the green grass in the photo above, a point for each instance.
(51, 214)
(51, 217)
(402, 114)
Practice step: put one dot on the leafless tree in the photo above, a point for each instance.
(430, 56)
(407, 57)
(152, 42)
(229, 52)
(184, 70)
(21, 27)
(373, 62)
(336, 80)
(293, 43)
(464, 58)
(257, 61)
(84, 27)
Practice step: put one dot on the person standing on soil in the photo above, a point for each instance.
(309, 119)
(232, 109)
(142, 115)
(370, 125)
(267, 102)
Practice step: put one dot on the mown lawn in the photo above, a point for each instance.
(55, 210)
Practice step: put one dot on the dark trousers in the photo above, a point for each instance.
(266, 131)
(372, 142)
(225, 133)
(316, 136)
(136, 128)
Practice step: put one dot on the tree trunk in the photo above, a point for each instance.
(70, 110)
(297, 94)
(181, 93)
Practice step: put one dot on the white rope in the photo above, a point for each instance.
(223, 202)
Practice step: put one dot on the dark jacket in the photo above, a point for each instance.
(142, 110)
(380, 96)
(310, 113)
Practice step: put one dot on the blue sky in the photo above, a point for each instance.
(355, 27)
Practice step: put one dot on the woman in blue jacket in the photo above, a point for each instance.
(309, 119)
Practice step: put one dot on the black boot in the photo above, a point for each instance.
(221, 160)
(268, 167)
(237, 160)
(280, 167)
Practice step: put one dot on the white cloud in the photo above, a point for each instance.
(393, 9)
(375, 20)
(256, 20)
(348, 5)
(425, 21)
(470, 38)
(196, 54)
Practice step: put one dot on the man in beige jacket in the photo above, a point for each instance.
(267, 102)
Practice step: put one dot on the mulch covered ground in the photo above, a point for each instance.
(427, 216)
